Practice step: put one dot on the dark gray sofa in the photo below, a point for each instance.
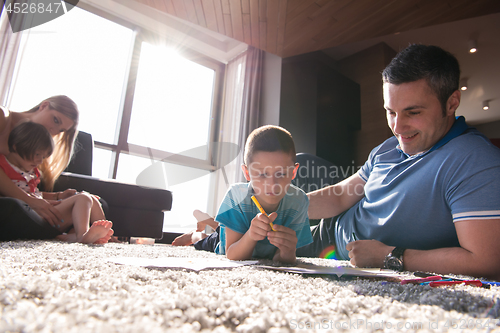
(136, 211)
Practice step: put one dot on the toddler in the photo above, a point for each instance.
(29, 144)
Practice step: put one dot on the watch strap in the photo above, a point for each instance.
(398, 253)
(394, 260)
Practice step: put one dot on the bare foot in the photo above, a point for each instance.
(105, 239)
(183, 240)
(98, 229)
(203, 220)
(201, 216)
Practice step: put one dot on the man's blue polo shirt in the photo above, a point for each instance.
(414, 201)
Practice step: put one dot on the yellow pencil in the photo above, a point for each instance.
(254, 199)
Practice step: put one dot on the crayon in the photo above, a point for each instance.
(476, 283)
(254, 199)
(491, 283)
(420, 280)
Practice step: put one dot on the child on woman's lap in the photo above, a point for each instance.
(29, 144)
(76, 208)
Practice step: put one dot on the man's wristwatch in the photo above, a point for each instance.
(394, 260)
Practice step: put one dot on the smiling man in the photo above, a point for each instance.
(416, 120)
(430, 198)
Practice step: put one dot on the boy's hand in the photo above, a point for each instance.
(285, 239)
(260, 227)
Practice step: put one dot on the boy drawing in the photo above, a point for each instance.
(245, 232)
(29, 144)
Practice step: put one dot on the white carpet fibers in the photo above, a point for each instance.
(48, 286)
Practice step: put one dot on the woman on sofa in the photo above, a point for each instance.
(24, 216)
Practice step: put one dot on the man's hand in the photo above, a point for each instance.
(368, 253)
(285, 239)
(259, 227)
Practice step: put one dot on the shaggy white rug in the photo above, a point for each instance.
(48, 286)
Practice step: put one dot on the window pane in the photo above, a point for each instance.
(80, 55)
(101, 162)
(172, 101)
(188, 196)
(129, 167)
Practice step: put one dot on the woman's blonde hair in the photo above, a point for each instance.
(52, 167)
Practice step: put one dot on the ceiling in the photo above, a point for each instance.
(482, 69)
(291, 27)
(343, 27)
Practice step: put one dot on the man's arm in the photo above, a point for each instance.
(478, 254)
(335, 199)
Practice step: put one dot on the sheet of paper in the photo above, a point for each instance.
(303, 268)
(195, 264)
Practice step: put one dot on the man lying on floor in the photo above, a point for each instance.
(428, 198)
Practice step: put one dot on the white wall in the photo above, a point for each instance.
(271, 87)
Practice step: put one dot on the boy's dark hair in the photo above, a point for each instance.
(438, 67)
(27, 138)
(269, 138)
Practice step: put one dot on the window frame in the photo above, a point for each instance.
(121, 145)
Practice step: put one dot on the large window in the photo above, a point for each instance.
(171, 92)
(80, 55)
(151, 107)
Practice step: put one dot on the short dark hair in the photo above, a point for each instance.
(438, 67)
(269, 138)
(27, 138)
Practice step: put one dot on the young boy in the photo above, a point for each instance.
(29, 144)
(244, 231)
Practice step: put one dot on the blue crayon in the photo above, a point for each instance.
(491, 283)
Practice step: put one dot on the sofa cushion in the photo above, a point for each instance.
(134, 210)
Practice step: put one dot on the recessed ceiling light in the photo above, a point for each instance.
(463, 84)
(472, 46)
